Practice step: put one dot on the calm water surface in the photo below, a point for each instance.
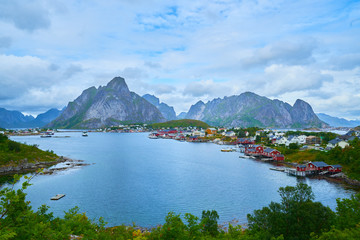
(135, 179)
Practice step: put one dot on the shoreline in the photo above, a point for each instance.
(26, 167)
(342, 178)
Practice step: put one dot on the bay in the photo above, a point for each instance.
(134, 179)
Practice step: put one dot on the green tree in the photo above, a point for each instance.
(19, 221)
(14, 146)
(3, 138)
(348, 212)
(294, 146)
(174, 228)
(295, 217)
(209, 222)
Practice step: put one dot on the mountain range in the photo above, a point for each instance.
(167, 111)
(115, 104)
(15, 119)
(249, 109)
(109, 105)
(338, 122)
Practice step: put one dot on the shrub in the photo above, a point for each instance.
(14, 146)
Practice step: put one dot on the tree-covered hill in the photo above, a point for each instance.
(180, 123)
(13, 153)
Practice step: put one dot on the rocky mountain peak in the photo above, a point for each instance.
(249, 109)
(118, 84)
(167, 111)
(107, 106)
(152, 99)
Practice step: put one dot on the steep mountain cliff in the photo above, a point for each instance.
(110, 105)
(249, 109)
(167, 111)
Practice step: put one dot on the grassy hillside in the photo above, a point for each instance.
(180, 123)
(12, 153)
(357, 128)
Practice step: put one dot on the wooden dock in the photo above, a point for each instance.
(57, 196)
(294, 172)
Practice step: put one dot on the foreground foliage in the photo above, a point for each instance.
(295, 217)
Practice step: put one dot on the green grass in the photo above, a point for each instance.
(180, 123)
(12, 153)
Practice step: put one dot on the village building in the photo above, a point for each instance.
(312, 140)
(317, 166)
(229, 134)
(337, 142)
(211, 131)
(335, 168)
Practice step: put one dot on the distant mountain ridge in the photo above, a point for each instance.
(181, 115)
(112, 104)
(167, 111)
(337, 122)
(15, 119)
(249, 109)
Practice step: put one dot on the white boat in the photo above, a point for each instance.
(84, 134)
(153, 136)
(45, 136)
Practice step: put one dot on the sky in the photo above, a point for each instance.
(181, 51)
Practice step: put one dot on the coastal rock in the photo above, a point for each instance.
(110, 105)
(251, 110)
(24, 166)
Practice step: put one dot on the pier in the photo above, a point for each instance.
(57, 196)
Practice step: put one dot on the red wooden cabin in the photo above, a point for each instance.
(335, 168)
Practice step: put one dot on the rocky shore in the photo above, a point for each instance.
(24, 166)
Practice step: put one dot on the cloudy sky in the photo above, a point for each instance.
(181, 51)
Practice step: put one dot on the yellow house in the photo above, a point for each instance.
(211, 131)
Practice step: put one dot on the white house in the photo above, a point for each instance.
(282, 140)
(336, 142)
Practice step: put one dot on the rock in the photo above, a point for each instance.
(167, 111)
(251, 110)
(110, 105)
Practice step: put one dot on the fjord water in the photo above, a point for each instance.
(134, 179)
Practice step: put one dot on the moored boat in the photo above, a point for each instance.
(153, 136)
(227, 150)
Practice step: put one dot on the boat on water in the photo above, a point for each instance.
(45, 136)
(280, 169)
(84, 134)
(153, 136)
(228, 150)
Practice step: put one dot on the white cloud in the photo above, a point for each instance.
(181, 51)
(278, 79)
(25, 15)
